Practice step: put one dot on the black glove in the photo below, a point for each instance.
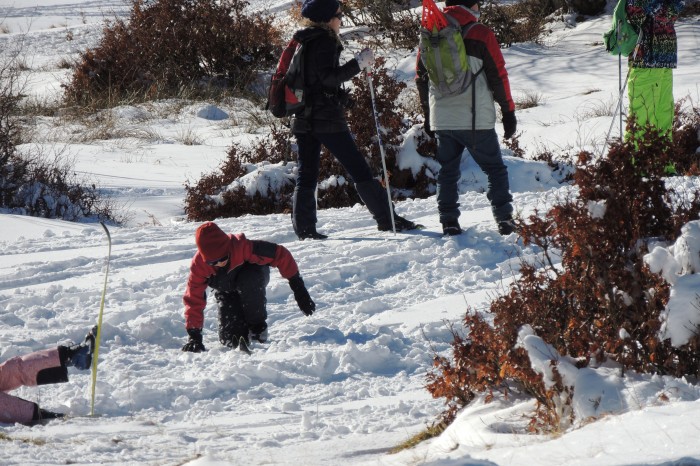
(306, 304)
(345, 99)
(426, 125)
(194, 345)
(510, 124)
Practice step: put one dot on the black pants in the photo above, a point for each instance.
(344, 149)
(242, 303)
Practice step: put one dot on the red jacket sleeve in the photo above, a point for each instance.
(195, 298)
(483, 41)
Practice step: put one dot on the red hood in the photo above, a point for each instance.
(460, 13)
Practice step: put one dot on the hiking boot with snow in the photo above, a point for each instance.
(232, 341)
(451, 228)
(311, 234)
(304, 214)
(400, 223)
(80, 356)
(41, 416)
(258, 333)
(244, 345)
(377, 202)
(506, 227)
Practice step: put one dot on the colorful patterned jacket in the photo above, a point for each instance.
(655, 19)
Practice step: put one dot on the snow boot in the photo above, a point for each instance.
(400, 223)
(310, 234)
(451, 228)
(244, 345)
(80, 356)
(41, 416)
(375, 198)
(258, 333)
(304, 214)
(506, 227)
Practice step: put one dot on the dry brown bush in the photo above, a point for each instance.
(591, 282)
(518, 22)
(166, 46)
(34, 184)
(211, 197)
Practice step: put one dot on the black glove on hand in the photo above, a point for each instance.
(345, 99)
(194, 345)
(306, 304)
(510, 124)
(426, 126)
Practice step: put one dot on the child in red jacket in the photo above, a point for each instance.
(238, 270)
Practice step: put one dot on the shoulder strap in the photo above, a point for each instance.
(465, 30)
(467, 27)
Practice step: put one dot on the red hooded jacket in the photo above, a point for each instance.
(240, 250)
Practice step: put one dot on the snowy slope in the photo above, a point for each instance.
(342, 386)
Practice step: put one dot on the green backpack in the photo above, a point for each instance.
(621, 39)
(444, 56)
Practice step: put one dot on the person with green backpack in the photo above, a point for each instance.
(650, 80)
(460, 80)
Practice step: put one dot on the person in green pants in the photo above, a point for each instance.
(650, 81)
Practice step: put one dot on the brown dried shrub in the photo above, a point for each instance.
(518, 22)
(34, 185)
(211, 197)
(204, 198)
(591, 283)
(167, 46)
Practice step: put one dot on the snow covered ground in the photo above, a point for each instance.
(342, 386)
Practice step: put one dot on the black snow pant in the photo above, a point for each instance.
(344, 149)
(242, 303)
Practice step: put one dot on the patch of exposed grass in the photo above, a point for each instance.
(529, 99)
(430, 432)
(31, 441)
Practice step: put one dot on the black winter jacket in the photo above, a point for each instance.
(323, 78)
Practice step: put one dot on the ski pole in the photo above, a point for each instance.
(620, 97)
(619, 73)
(96, 352)
(381, 149)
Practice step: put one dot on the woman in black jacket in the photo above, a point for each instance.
(323, 122)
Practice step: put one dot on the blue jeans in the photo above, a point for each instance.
(484, 148)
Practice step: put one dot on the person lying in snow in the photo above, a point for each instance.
(39, 368)
(238, 270)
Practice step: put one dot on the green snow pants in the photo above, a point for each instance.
(651, 98)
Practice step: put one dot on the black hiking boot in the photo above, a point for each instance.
(311, 234)
(451, 228)
(400, 223)
(258, 333)
(506, 227)
(41, 416)
(244, 345)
